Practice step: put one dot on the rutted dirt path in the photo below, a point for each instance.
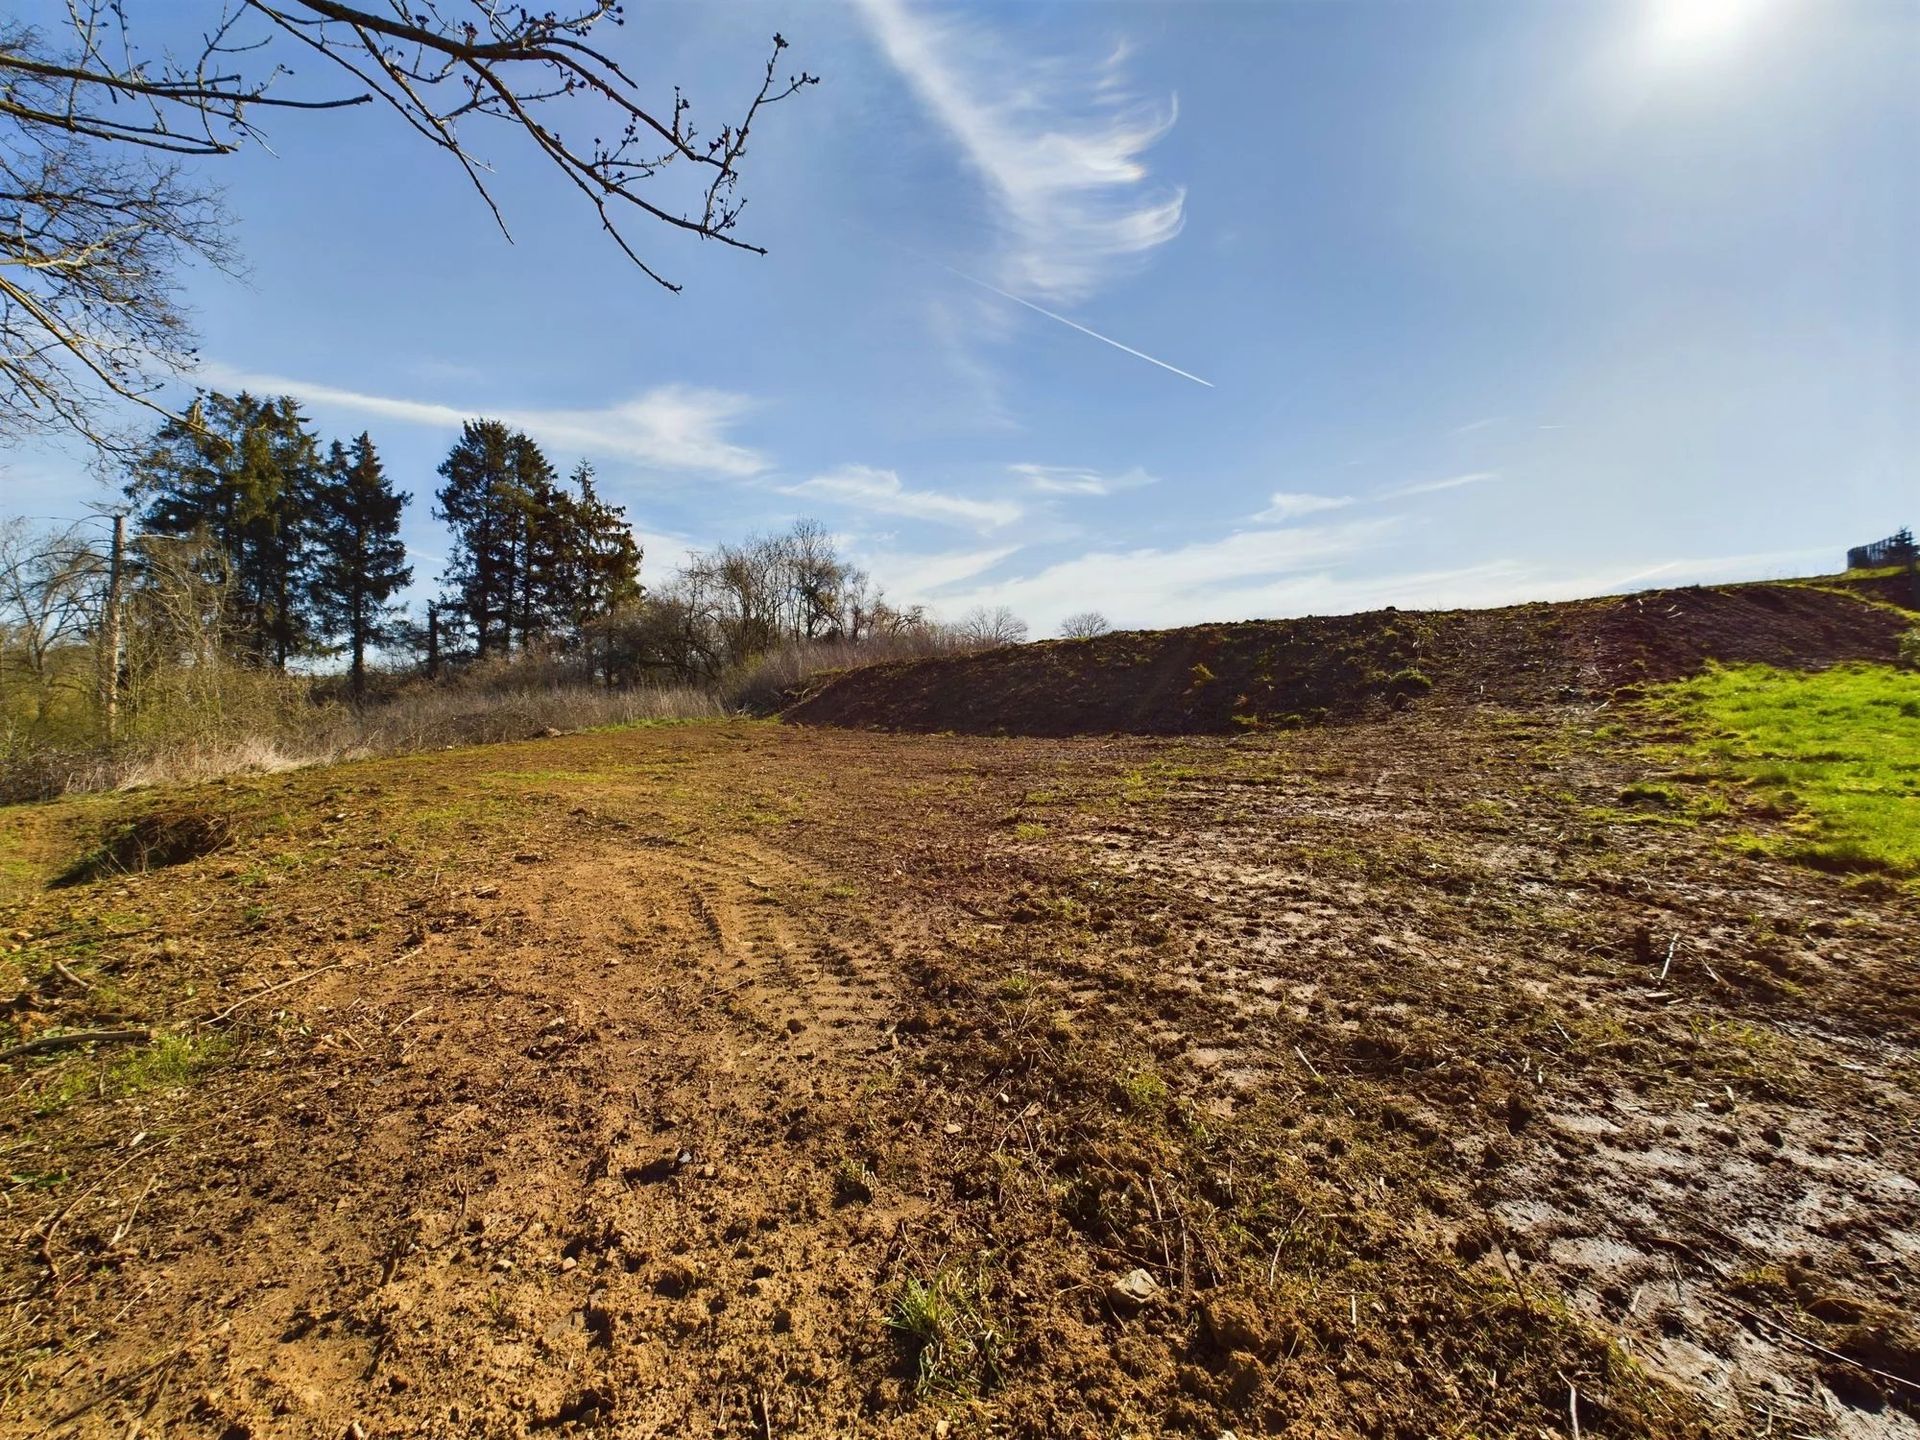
(609, 1092)
(621, 1084)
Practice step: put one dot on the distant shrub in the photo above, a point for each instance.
(1084, 625)
(1409, 682)
(1910, 649)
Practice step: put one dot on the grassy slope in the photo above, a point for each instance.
(1841, 746)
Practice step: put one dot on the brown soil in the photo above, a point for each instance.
(621, 1084)
(1889, 588)
(1263, 674)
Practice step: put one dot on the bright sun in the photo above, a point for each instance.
(1684, 30)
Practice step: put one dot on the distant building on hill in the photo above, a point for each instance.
(1896, 549)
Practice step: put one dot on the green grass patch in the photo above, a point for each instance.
(1839, 750)
(169, 1063)
(952, 1340)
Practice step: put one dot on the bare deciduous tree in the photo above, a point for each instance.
(990, 627)
(49, 597)
(1084, 625)
(772, 589)
(97, 214)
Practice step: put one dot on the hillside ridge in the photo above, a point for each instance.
(1262, 674)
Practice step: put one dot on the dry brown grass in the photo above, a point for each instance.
(298, 732)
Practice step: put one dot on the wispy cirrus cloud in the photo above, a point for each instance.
(1452, 482)
(670, 427)
(1284, 505)
(870, 488)
(1058, 145)
(923, 574)
(1078, 480)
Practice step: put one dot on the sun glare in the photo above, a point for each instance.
(1689, 30)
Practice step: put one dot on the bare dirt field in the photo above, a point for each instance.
(1408, 1078)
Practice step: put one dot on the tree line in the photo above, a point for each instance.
(304, 538)
(257, 546)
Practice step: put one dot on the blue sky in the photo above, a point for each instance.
(1464, 303)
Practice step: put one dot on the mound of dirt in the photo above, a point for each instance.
(168, 836)
(1894, 588)
(1264, 674)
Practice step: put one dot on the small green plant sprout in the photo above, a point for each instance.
(1016, 986)
(852, 1182)
(1143, 1091)
(953, 1344)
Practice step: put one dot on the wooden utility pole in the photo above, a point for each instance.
(109, 657)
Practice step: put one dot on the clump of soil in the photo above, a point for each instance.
(151, 842)
(1282, 674)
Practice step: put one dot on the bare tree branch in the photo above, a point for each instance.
(97, 218)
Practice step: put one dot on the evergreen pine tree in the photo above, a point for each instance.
(243, 470)
(541, 531)
(361, 562)
(475, 504)
(531, 558)
(605, 558)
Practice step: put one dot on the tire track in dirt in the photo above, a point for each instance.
(588, 1127)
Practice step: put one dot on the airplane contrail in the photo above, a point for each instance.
(1076, 325)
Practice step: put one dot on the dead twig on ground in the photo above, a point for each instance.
(72, 1039)
(408, 1021)
(1794, 1337)
(1273, 1266)
(1573, 1405)
(246, 1000)
(1160, 1227)
(70, 977)
(1323, 1080)
(47, 1231)
(1500, 1249)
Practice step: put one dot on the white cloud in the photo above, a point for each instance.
(1252, 574)
(1452, 482)
(867, 487)
(670, 427)
(663, 553)
(1286, 505)
(1239, 574)
(1058, 146)
(1077, 480)
(917, 577)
